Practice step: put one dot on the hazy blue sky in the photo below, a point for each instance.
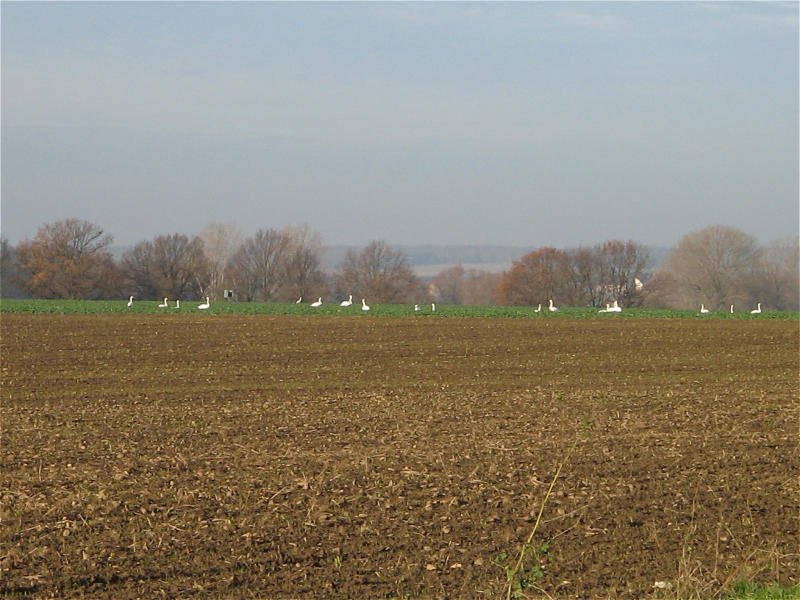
(448, 123)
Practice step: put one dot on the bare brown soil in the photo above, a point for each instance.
(306, 457)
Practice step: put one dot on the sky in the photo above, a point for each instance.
(526, 124)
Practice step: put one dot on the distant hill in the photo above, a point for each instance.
(430, 259)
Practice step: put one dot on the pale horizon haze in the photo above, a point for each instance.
(524, 124)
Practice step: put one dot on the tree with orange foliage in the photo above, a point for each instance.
(70, 259)
(537, 277)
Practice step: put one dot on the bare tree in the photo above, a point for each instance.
(379, 273)
(70, 259)
(588, 276)
(448, 285)
(715, 266)
(538, 276)
(220, 242)
(259, 265)
(622, 265)
(12, 277)
(778, 281)
(479, 287)
(457, 285)
(171, 266)
(303, 266)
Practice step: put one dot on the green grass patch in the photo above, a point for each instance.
(223, 307)
(756, 591)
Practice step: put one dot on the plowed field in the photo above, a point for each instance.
(310, 457)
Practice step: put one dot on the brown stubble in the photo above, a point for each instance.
(308, 457)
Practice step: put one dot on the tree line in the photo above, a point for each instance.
(716, 265)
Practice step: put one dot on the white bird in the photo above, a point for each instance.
(552, 308)
(205, 305)
(318, 303)
(364, 306)
(606, 309)
(731, 308)
(299, 300)
(756, 311)
(538, 308)
(615, 307)
(177, 304)
(165, 304)
(703, 308)
(416, 308)
(130, 302)
(433, 307)
(347, 302)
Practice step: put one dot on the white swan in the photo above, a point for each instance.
(416, 308)
(606, 309)
(347, 302)
(552, 308)
(538, 309)
(364, 306)
(130, 302)
(433, 307)
(317, 304)
(205, 305)
(731, 308)
(164, 304)
(703, 308)
(299, 300)
(177, 304)
(756, 311)
(615, 307)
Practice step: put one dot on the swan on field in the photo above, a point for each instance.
(299, 300)
(164, 304)
(615, 307)
(731, 308)
(433, 307)
(606, 309)
(552, 308)
(177, 304)
(364, 306)
(347, 302)
(416, 308)
(756, 311)
(130, 302)
(703, 308)
(318, 303)
(205, 305)
(538, 309)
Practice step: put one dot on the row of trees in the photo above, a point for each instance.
(72, 259)
(716, 266)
